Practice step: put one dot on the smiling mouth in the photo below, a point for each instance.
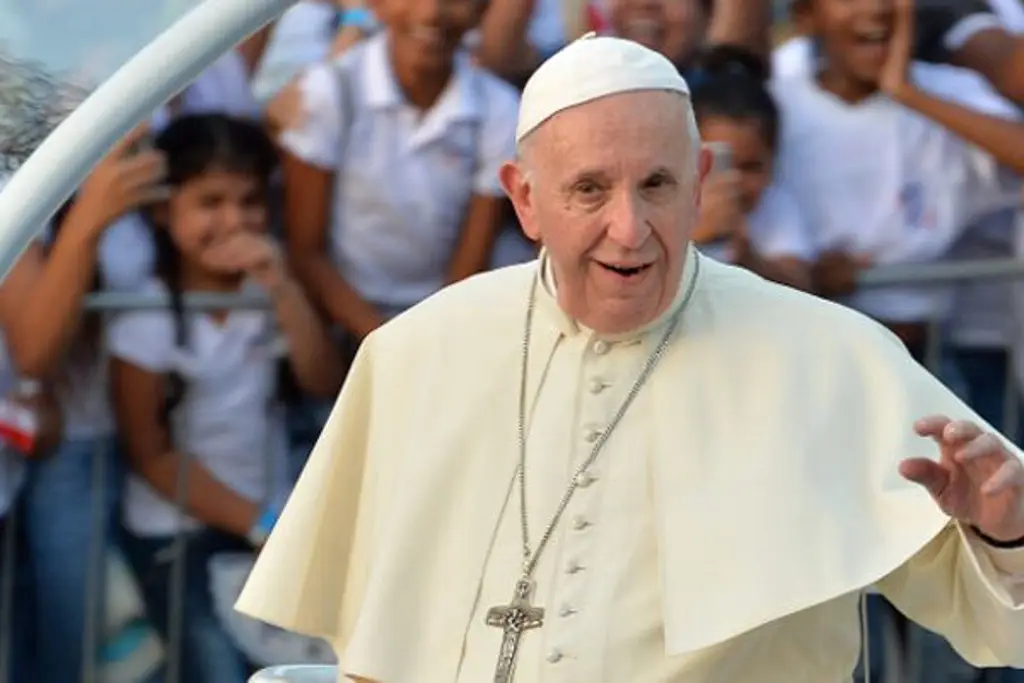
(625, 271)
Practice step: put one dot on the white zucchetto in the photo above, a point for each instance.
(589, 68)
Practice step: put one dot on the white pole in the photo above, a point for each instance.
(161, 69)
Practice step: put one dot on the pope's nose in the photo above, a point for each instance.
(628, 225)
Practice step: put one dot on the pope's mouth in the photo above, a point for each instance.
(625, 271)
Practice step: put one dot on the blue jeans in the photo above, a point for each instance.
(71, 500)
(206, 654)
(17, 636)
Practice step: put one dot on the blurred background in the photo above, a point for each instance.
(339, 166)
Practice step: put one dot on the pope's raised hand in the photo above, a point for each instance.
(976, 480)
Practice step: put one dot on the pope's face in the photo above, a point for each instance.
(611, 189)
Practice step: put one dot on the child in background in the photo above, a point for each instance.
(881, 169)
(745, 218)
(197, 395)
(391, 177)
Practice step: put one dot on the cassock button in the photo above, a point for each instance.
(580, 523)
(593, 435)
(573, 567)
(596, 385)
(601, 347)
(566, 611)
(584, 479)
(554, 656)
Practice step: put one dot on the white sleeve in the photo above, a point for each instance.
(777, 228)
(317, 140)
(498, 135)
(967, 28)
(967, 592)
(142, 338)
(795, 57)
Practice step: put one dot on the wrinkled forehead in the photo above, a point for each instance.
(645, 127)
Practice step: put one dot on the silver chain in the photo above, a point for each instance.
(530, 558)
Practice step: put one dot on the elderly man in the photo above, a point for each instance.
(626, 462)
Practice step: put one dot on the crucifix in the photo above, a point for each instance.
(514, 619)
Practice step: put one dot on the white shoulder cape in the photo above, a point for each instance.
(782, 420)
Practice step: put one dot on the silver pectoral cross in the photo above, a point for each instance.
(514, 619)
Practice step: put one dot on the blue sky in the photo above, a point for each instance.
(88, 37)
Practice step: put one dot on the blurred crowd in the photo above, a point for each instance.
(344, 164)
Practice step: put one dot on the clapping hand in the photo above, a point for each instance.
(977, 480)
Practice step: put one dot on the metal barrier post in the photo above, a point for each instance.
(95, 582)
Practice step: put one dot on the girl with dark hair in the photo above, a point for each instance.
(745, 218)
(197, 394)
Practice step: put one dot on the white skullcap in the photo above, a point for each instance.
(589, 68)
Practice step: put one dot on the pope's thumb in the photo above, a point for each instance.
(928, 473)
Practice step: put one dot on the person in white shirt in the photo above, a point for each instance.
(885, 176)
(391, 177)
(746, 219)
(196, 395)
(48, 338)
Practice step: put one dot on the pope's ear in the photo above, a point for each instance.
(516, 183)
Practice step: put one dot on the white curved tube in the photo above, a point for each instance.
(150, 78)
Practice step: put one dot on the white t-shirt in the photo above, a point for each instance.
(228, 417)
(775, 228)
(406, 177)
(795, 57)
(879, 180)
(301, 38)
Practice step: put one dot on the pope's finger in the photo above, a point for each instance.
(928, 473)
(959, 431)
(932, 426)
(1009, 474)
(982, 446)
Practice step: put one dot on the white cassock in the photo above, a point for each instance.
(746, 499)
